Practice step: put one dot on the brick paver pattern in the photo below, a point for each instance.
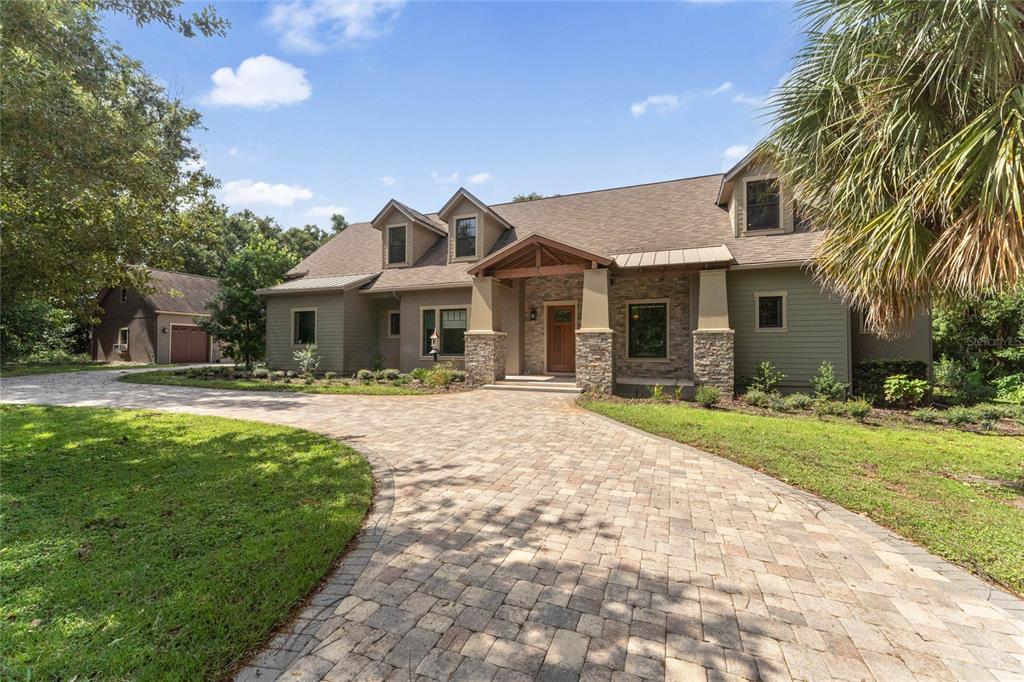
(516, 536)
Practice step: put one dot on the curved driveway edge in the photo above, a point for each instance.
(530, 539)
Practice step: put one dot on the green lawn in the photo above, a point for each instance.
(146, 546)
(26, 369)
(959, 494)
(172, 378)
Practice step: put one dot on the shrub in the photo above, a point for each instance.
(859, 408)
(309, 360)
(753, 396)
(260, 373)
(657, 393)
(420, 374)
(929, 415)
(459, 375)
(677, 393)
(1010, 388)
(278, 374)
(766, 378)
(869, 375)
(441, 375)
(960, 383)
(826, 385)
(799, 401)
(330, 376)
(902, 391)
(389, 374)
(961, 415)
(829, 408)
(708, 396)
(765, 400)
(991, 412)
(365, 375)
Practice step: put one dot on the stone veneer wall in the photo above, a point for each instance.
(536, 291)
(485, 357)
(673, 285)
(713, 359)
(595, 372)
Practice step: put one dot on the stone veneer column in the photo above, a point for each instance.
(713, 364)
(595, 360)
(485, 357)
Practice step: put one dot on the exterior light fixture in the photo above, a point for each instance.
(435, 346)
(164, 330)
(533, 314)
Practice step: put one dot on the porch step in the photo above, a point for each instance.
(539, 384)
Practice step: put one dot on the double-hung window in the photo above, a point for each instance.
(763, 205)
(450, 325)
(770, 311)
(394, 323)
(123, 335)
(303, 327)
(465, 237)
(647, 330)
(396, 244)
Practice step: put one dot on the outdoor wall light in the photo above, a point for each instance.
(164, 330)
(435, 346)
(533, 314)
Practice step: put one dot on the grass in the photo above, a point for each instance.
(146, 546)
(960, 495)
(172, 378)
(30, 368)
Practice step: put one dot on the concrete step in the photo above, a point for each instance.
(536, 386)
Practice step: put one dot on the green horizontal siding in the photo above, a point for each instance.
(329, 324)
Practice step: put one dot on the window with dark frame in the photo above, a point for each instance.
(429, 325)
(465, 237)
(763, 205)
(394, 323)
(454, 323)
(770, 313)
(396, 245)
(648, 331)
(304, 327)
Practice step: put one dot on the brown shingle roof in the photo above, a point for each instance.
(675, 214)
(180, 292)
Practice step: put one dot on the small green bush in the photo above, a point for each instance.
(708, 396)
(961, 415)
(753, 396)
(420, 374)
(767, 400)
(677, 393)
(902, 391)
(829, 408)
(390, 374)
(658, 393)
(929, 415)
(961, 383)
(766, 378)
(1010, 389)
(441, 375)
(308, 358)
(365, 375)
(330, 376)
(869, 375)
(826, 385)
(859, 408)
(458, 375)
(799, 401)
(278, 374)
(260, 373)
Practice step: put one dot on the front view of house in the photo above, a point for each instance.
(679, 283)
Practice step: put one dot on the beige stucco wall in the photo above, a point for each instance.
(390, 348)
(329, 329)
(410, 305)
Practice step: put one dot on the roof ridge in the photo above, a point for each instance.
(608, 189)
(178, 272)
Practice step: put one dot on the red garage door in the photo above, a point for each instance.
(189, 344)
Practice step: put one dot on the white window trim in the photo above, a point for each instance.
(124, 294)
(123, 347)
(399, 313)
(775, 230)
(437, 317)
(476, 245)
(316, 326)
(387, 245)
(668, 329)
(757, 311)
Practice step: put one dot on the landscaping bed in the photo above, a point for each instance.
(959, 494)
(442, 378)
(147, 546)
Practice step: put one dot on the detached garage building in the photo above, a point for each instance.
(159, 326)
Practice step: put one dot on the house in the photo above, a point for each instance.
(680, 283)
(159, 326)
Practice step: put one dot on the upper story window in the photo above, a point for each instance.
(124, 295)
(763, 205)
(465, 237)
(396, 244)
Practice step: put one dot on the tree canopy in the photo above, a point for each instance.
(532, 196)
(901, 129)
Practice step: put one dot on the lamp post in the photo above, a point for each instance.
(435, 346)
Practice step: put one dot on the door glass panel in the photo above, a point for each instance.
(563, 315)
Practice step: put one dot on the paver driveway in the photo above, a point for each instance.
(515, 535)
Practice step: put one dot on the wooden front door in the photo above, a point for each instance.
(561, 338)
(189, 344)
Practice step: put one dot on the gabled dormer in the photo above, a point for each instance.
(473, 227)
(407, 234)
(759, 203)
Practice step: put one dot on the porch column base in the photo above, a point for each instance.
(485, 357)
(595, 369)
(714, 359)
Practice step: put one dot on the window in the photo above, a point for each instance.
(396, 244)
(122, 339)
(394, 323)
(763, 205)
(303, 327)
(465, 237)
(124, 295)
(451, 324)
(647, 330)
(771, 311)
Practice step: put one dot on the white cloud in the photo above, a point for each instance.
(245, 192)
(736, 151)
(233, 152)
(317, 25)
(193, 165)
(261, 81)
(445, 179)
(659, 104)
(326, 211)
(480, 178)
(750, 100)
(726, 86)
(387, 180)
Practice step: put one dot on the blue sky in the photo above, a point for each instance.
(312, 106)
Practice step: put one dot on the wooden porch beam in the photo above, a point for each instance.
(542, 271)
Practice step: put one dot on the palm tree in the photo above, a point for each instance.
(901, 129)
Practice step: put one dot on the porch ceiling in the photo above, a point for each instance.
(537, 256)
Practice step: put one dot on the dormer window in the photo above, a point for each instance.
(763, 205)
(465, 237)
(396, 244)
